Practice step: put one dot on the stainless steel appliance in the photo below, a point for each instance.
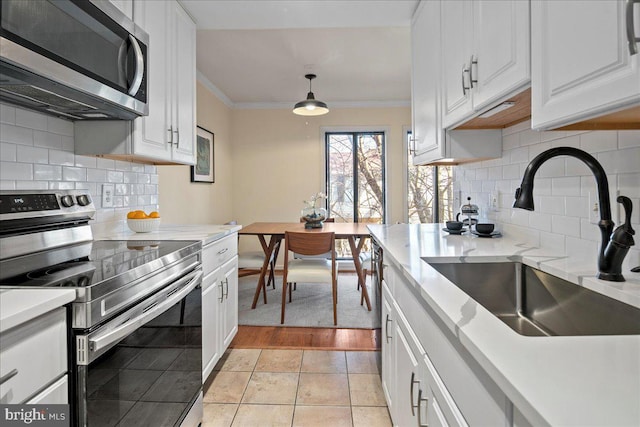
(77, 59)
(135, 325)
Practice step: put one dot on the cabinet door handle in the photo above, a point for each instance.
(426, 407)
(464, 88)
(221, 293)
(473, 61)
(226, 293)
(170, 130)
(386, 329)
(10, 375)
(177, 132)
(417, 404)
(631, 33)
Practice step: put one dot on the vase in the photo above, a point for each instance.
(313, 217)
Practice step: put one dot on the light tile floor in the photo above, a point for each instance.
(296, 388)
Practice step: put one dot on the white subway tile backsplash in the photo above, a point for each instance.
(28, 154)
(628, 138)
(115, 176)
(569, 141)
(540, 221)
(595, 142)
(31, 119)
(86, 162)
(15, 171)
(72, 173)
(96, 175)
(32, 185)
(61, 185)
(28, 138)
(529, 137)
(552, 168)
(8, 152)
(7, 114)
(68, 143)
(519, 155)
(63, 158)
(59, 126)
(47, 173)
(7, 185)
(565, 186)
(565, 225)
(562, 186)
(550, 204)
(47, 140)
(629, 185)
(103, 163)
(620, 161)
(16, 134)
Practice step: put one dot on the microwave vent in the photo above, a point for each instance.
(41, 96)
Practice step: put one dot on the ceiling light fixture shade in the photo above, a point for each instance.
(310, 106)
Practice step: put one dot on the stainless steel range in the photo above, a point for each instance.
(136, 341)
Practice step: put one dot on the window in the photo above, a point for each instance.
(355, 178)
(429, 191)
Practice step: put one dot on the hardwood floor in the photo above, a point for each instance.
(280, 337)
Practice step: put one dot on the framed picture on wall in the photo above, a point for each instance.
(203, 171)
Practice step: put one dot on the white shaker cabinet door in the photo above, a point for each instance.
(581, 64)
(501, 49)
(457, 33)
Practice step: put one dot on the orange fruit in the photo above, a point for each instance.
(154, 214)
(139, 215)
(131, 215)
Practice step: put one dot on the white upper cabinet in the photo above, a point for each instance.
(582, 66)
(168, 132)
(426, 138)
(485, 55)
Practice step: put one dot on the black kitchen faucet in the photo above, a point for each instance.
(614, 246)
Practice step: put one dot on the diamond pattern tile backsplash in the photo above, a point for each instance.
(564, 188)
(37, 152)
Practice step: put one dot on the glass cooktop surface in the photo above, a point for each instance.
(100, 261)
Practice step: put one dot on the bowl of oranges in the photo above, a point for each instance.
(140, 222)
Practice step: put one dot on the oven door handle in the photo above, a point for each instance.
(186, 285)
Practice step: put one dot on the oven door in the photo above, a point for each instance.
(144, 367)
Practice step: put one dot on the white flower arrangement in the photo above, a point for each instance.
(312, 202)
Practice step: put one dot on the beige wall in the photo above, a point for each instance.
(184, 202)
(268, 161)
(278, 159)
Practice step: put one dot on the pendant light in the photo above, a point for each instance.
(310, 106)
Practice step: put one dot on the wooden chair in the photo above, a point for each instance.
(250, 262)
(317, 270)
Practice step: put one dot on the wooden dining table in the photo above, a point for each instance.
(355, 233)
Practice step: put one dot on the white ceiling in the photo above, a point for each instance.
(255, 53)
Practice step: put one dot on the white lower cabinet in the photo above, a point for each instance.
(41, 376)
(219, 300)
(428, 377)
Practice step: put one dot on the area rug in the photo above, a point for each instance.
(311, 305)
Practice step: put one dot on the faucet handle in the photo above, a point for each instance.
(628, 207)
(623, 235)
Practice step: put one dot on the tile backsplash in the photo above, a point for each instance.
(565, 193)
(37, 152)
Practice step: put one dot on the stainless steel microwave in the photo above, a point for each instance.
(77, 59)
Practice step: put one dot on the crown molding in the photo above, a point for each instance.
(214, 89)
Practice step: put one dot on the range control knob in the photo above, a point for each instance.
(83, 199)
(67, 201)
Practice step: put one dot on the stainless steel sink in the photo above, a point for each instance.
(535, 303)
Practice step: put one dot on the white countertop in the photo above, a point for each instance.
(559, 381)
(207, 233)
(18, 306)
